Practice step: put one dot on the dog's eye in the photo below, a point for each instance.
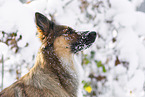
(69, 31)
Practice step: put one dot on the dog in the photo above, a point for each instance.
(55, 73)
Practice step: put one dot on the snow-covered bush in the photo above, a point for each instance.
(113, 67)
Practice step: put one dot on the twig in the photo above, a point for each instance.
(109, 3)
(67, 3)
(82, 58)
(2, 72)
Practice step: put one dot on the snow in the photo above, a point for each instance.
(119, 70)
(3, 49)
(135, 84)
(125, 19)
(137, 3)
(122, 6)
(125, 79)
(16, 17)
(37, 6)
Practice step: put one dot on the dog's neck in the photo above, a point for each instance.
(61, 69)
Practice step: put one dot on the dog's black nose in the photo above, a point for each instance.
(92, 35)
(90, 38)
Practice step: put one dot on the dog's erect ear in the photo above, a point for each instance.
(43, 24)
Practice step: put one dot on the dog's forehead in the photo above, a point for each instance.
(60, 27)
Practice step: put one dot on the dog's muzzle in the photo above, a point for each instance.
(85, 41)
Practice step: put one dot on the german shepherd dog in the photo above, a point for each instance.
(55, 73)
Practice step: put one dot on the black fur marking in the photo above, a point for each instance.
(84, 42)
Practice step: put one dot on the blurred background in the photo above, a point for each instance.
(114, 66)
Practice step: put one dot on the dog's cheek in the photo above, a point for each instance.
(76, 46)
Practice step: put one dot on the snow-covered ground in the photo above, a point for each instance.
(118, 53)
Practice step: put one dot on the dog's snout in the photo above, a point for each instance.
(92, 35)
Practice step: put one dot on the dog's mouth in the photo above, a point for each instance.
(84, 42)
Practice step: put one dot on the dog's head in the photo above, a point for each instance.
(62, 38)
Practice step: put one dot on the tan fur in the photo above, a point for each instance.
(40, 33)
(62, 50)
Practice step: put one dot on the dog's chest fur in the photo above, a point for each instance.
(60, 71)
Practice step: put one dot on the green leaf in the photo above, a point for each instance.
(92, 54)
(86, 61)
(99, 64)
(15, 34)
(83, 81)
(96, 61)
(104, 69)
(85, 55)
(86, 84)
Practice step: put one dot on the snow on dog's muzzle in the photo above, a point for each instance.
(85, 41)
(90, 38)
